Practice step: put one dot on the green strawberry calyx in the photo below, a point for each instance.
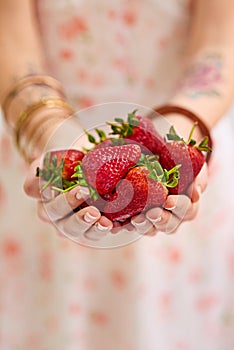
(52, 173)
(79, 180)
(124, 128)
(169, 178)
(119, 128)
(101, 135)
(101, 138)
(203, 145)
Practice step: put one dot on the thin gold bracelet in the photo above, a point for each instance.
(41, 80)
(28, 114)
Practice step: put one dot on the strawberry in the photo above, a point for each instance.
(140, 130)
(187, 154)
(144, 187)
(104, 167)
(59, 167)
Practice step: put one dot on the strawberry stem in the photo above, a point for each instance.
(172, 176)
(62, 190)
(191, 133)
(47, 183)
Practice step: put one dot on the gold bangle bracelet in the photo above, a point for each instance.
(41, 80)
(28, 154)
(28, 113)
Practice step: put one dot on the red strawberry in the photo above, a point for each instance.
(104, 167)
(144, 187)
(140, 130)
(59, 166)
(189, 156)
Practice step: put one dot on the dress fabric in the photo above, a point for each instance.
(164, 292)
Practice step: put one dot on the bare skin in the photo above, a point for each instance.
(206, 87)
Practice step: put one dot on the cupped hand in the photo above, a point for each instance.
(88, 222)
(176, 209)
(60, 210)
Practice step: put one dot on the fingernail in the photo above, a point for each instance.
(170, 208)
(154, 221)
(89, 217)
(140, 224)
(82, 193)
(101, 228)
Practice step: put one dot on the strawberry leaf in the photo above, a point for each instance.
(119, 120)
(132, 120)
(204, 142)
(129, 132)
(91, 138)
(101, 134)
(203, 145)
(172, 137)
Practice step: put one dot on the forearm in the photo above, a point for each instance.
(207, 85)
(21, 52)
(22, 55)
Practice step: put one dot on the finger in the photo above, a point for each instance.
(178, 205)
(77, 224)
(31, 184)
(101, 228)
(152, 232)
(183, 208)
(64, 204)
(41, 212)
(192, 211)
(169, 222)
(154, 215)
(199, 185)
(122, 226)
(116, 227)
(141, 224)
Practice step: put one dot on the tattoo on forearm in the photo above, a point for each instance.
(203, 77)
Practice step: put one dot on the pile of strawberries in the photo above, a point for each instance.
(128, 171)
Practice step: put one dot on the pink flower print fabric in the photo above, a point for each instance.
(165, 292)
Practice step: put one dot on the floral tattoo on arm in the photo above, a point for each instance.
(203, 77)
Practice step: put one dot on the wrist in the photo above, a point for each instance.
(37, 123)
(41, 128)
(183, 126)
(26, 92)
(34, 108)
(58, 132)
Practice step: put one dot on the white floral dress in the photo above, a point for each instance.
(166, 292)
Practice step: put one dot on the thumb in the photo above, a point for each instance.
(199, 184)
(31, 184)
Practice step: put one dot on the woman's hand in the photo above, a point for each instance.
(87, 222)
(177, 209)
